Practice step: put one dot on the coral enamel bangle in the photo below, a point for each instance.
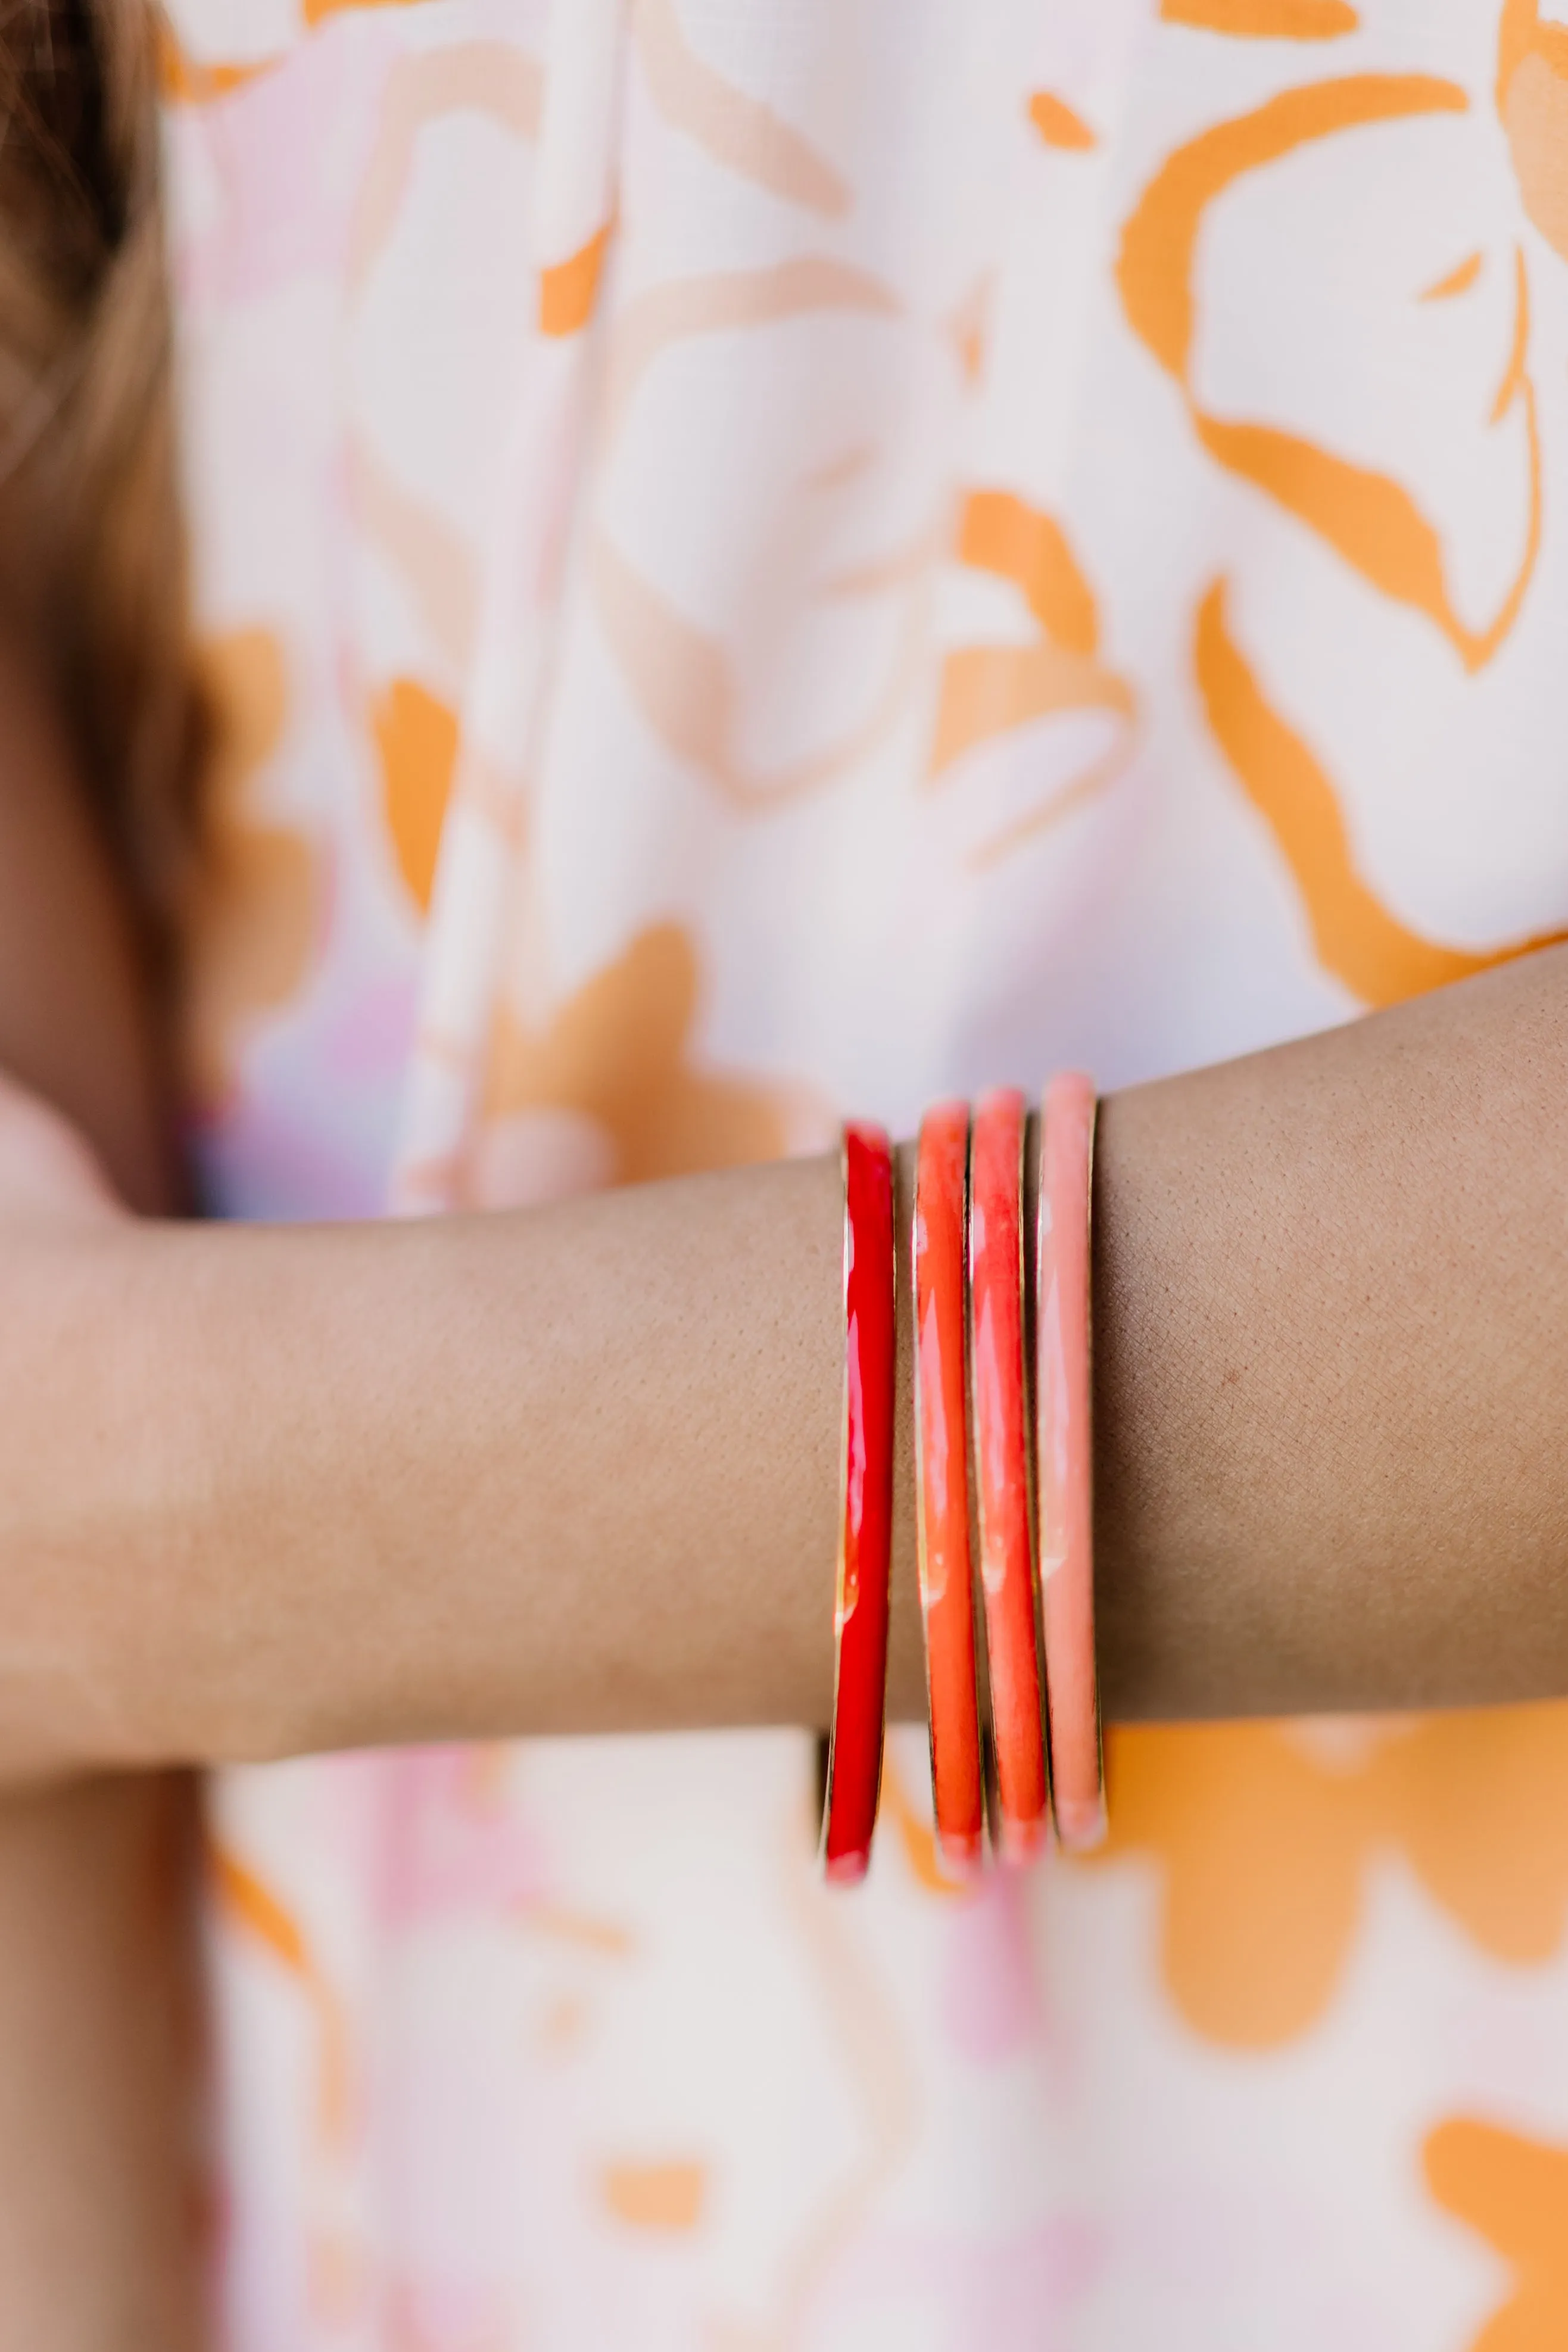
(1002, 1470)
(939, 1245)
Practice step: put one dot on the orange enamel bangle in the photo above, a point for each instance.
(1064, 1456)
(865, 1509)
(1004, 1512)
(942, 1485)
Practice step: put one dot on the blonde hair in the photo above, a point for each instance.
(92, 567)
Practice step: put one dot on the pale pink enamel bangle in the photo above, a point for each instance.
(1064, 1459)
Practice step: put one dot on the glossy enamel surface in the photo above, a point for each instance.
(942, 1485)
(860, 1689)
(1064, 1453)
(1001, 1468)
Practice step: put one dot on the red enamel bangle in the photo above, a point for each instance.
(1064, 1455)
(865, 1514)
(1001, 1463)
(942, 1485)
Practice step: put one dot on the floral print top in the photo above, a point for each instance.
(767, 560)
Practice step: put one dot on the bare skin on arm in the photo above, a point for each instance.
(98, 1993)
(575, 1470)
(263, 1492)
(1332, 1302)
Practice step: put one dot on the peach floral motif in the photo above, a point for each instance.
(863, 294)
(967, 326)
(1457, 280)
(1532, 99)
(988, 690)
(1379, 958)
(726, 301)
(338, 2281)
(1058, 125)
(255, 915)
(911, 1823)
(683, 673)
(1370, 520)
(1265, 20)
(739, 130)
(1263, 1845)
(417, 741)
(611, 1082)
(316, 11)
(487, 78)
(185, 80)
(1513, 2192)
(260, 1916)
(684, 681)
(569, 288)
(437, 567)
(667, 2197)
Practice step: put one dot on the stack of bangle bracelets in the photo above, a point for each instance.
(1002, 1482)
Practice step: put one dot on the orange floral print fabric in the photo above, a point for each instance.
(762, 563)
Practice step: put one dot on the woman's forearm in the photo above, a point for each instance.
(1331, 1295)
(100, 2145)
(269, 1490)
(568, 1470)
